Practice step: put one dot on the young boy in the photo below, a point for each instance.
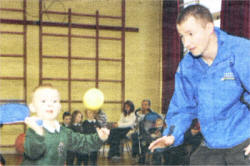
(48, 143)
(66, 119)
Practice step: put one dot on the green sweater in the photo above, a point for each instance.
(51, 149)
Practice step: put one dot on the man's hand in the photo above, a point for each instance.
(161, 143)
(103, 133)
(247, 150)
(32, 123)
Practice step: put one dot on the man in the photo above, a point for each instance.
(145, 108)
(212, 83)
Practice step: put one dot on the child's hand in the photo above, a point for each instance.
(32, 123)
(103, 133)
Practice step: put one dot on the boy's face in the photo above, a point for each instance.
(195, 35)
(159, 123)
(46, 103)
(67, 120)
(90, 114)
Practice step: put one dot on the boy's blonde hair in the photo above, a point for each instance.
(43, 86)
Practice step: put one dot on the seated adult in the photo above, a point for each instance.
(120, 130)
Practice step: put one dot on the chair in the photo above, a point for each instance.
(103, 148)
(125, 141)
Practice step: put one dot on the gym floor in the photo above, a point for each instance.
(126, 159)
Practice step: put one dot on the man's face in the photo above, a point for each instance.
(46, 103)
(67, 120)
(195, 35)
(145, 105)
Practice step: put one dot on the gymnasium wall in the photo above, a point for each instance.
(142, 62)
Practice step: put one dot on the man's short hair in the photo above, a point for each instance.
(197, 11)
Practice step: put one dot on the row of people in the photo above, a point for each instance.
(127, 126)
(74, 122)
(119, 129)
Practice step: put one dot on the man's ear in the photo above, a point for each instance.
(210, 27)
(32, 108)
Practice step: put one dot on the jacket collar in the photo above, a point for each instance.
(91, 120)
(52, 130)
(223, 46)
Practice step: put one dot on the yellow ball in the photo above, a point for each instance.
(93, 99)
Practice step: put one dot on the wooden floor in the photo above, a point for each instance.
(126, 159)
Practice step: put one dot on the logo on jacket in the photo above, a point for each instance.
(60, 148)
(228, 76)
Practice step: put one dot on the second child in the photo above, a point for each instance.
(89, 127)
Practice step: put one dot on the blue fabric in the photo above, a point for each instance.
(152, 116)
(212, 94)
(149, 121)
(13, 112)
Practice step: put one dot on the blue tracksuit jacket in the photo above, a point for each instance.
(212, 94)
